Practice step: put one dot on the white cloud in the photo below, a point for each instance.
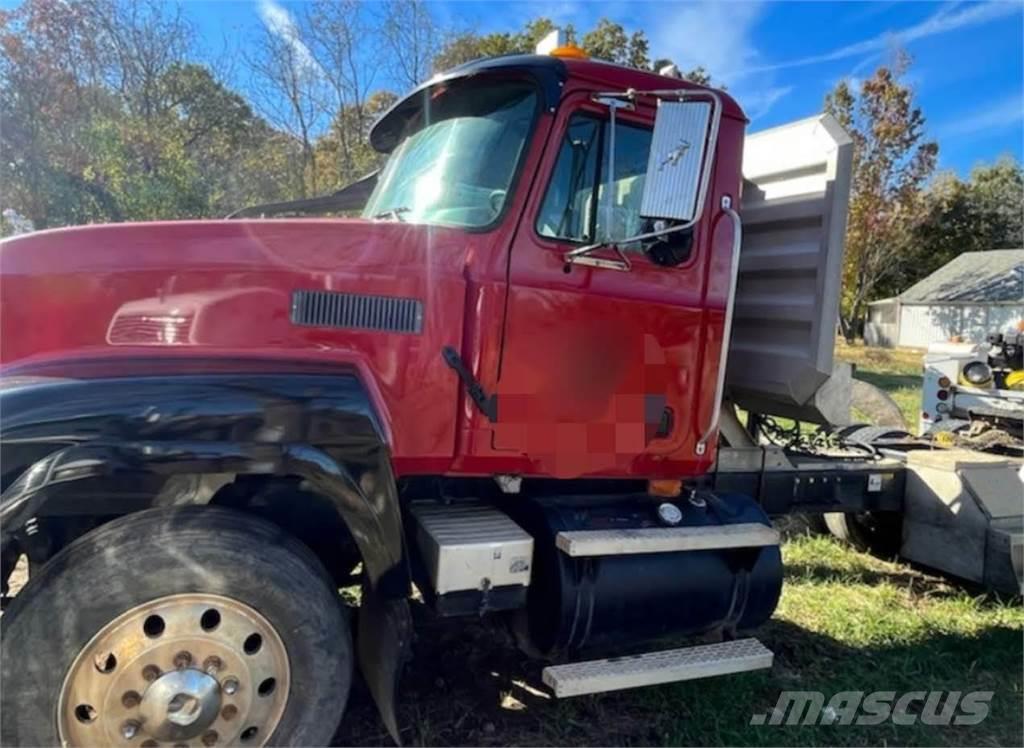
(716, 35)
(999, 116)
(756, 103)
(282, 25)
(563, 13)
(949, 18)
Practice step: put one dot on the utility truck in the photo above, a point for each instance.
(973, 393)
(513, 387)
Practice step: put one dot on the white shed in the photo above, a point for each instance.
(975, 294)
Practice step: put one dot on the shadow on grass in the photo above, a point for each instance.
(918, 583)
(468, 685)
(921, 581)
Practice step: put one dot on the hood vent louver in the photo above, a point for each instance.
(358, 311)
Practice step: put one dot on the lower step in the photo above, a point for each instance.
(653, 668)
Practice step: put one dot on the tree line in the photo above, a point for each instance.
(904, 221)
(112, 111)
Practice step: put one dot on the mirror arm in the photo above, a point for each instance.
(621, 263)
(578, 252)
(609, 198)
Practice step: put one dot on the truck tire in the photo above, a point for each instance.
(193, 625)
(878, 533)
(878, 404)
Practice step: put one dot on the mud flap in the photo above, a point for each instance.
(384, 646)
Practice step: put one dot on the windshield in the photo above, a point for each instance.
(457, 165)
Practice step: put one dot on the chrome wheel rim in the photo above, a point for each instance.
(181, 670)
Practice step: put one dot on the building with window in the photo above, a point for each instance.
(975, 294)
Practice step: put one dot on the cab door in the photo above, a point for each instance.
(599, 367)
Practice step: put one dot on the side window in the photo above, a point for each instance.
(576, 206)
(619, 218)
(568, 209)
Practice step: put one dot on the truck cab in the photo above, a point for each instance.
(500, 229)
(501, 385)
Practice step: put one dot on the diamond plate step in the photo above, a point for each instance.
(652, 668)
(665, 539)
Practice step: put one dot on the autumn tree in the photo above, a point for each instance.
(350, 130)
(48, 92)
(997, 192)
(892, 160)
(411, 38)
(464, 46)
(106, 119)
(288, 88)
(337, 33)
(607, 41)
(217, 130)
(111, 110)
(981, 213)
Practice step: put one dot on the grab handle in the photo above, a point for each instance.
(730, 302)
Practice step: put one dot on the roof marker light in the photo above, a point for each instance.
(557, 44)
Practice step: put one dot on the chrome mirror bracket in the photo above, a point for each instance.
(620, 263)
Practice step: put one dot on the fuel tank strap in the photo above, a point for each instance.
(665, 539)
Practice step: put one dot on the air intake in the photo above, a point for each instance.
(333, 309)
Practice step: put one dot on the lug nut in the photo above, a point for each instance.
(182, 660)
(150, 673)
(230, 686)
(212, 664)
(129, 729)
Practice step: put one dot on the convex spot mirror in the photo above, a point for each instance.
(677, 165)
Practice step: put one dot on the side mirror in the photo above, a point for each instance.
(679, 165)
(677, 177)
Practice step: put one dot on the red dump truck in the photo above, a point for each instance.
(513, 387)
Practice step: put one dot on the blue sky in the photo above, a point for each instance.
(780, 58)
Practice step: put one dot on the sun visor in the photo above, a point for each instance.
(548, 72)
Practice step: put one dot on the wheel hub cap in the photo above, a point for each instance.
(180, 705)
(181, 670)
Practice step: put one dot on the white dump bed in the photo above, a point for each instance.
(795, 194)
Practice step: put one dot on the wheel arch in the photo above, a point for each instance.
(321, 429)
(187, 436)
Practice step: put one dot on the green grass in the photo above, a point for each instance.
(846, 622)
(897, 371)
(849, 622)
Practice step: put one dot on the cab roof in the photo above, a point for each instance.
(612, 77)
(550, 72)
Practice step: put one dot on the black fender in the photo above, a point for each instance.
(321, 427)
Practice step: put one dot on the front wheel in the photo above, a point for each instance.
(194, 626)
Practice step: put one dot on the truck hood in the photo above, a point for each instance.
(226, 284)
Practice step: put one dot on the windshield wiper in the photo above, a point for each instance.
(394, 214)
